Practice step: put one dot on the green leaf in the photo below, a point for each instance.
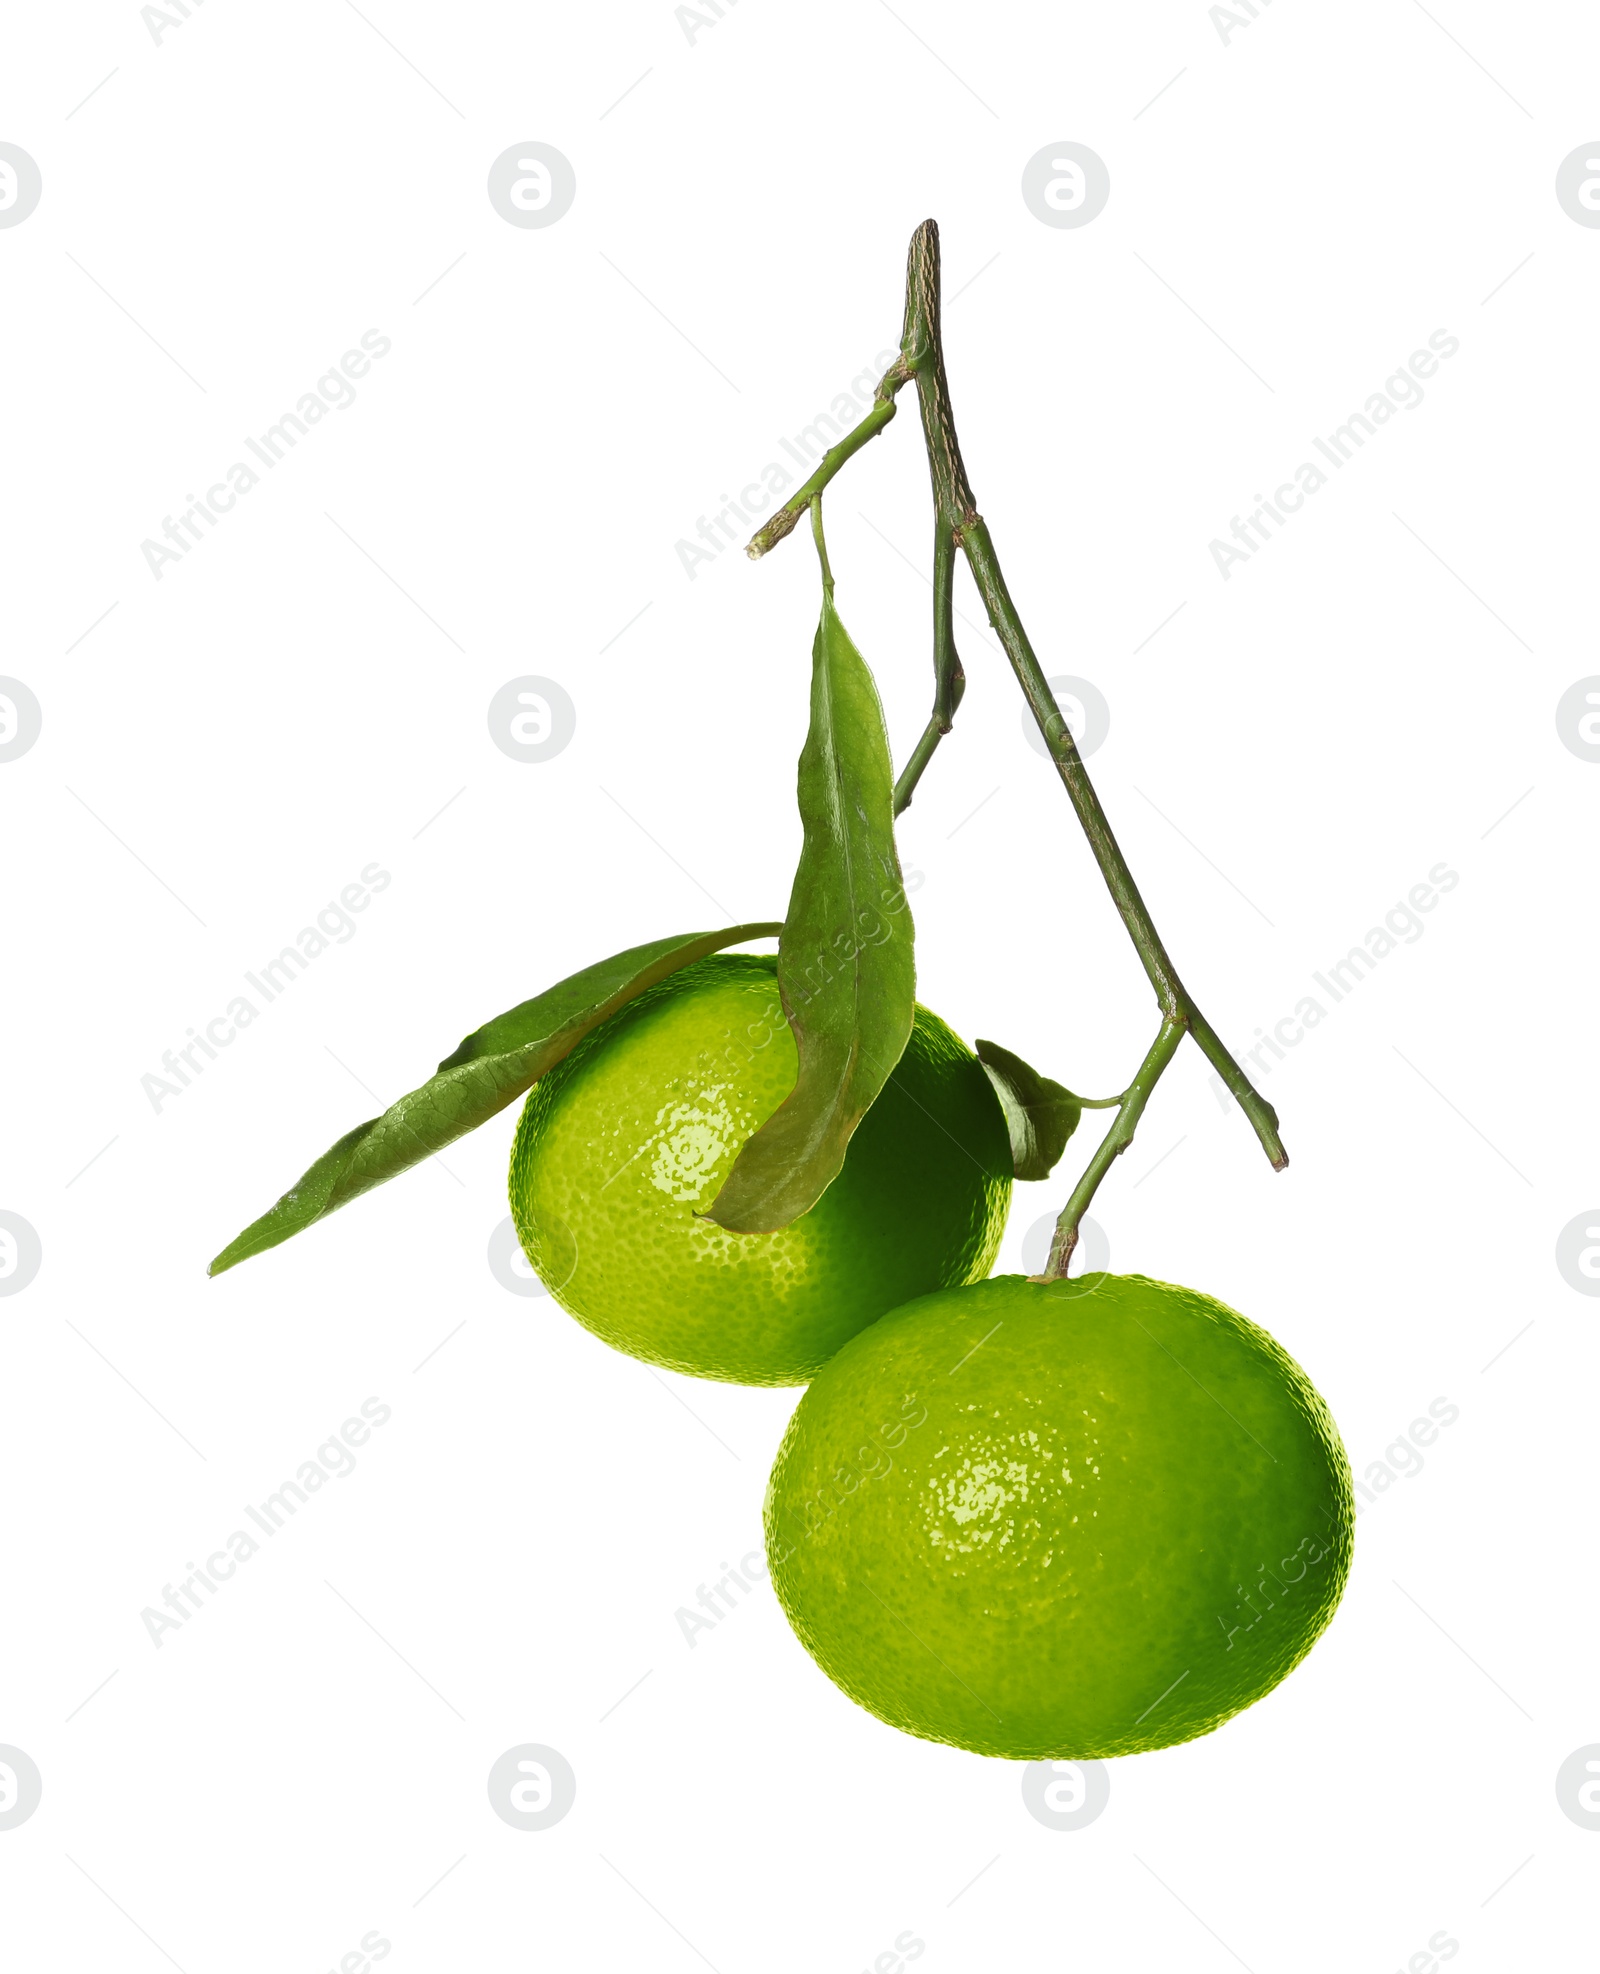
(845, 969)
(492, 1068)
(1040, 1115)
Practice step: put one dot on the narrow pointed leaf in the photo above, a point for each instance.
(493, 1067)
(845, 969)
(1040, 1115)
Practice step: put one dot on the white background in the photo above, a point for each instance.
(305, 692)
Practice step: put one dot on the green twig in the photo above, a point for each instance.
(949, 680)
(957, 510)
(958, 524)
(1116, 1141)
(911, 773)
(783, 522)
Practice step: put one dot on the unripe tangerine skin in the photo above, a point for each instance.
(626, 1143)
(1063, 1521)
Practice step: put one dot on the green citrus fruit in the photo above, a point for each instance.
(624, 1143)
(1060, 1520)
